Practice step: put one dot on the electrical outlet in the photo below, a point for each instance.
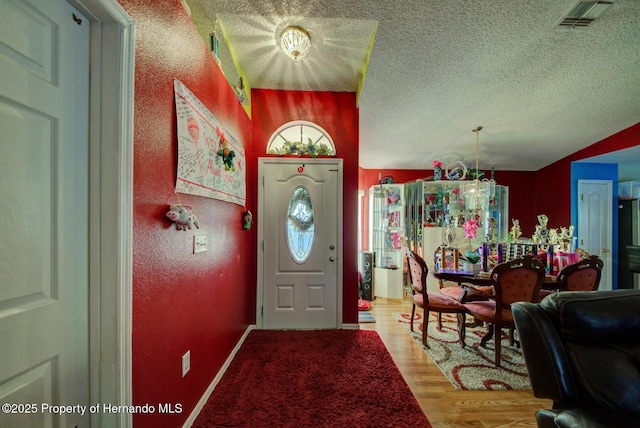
(186, 363)
(200, 244)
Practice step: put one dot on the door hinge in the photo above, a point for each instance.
(582, 197)
(261, 311)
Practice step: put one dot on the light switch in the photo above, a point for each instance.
(200, 244)
(186, 363)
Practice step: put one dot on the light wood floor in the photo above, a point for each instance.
(444, 405)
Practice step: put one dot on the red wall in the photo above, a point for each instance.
(181, 301)
(336, 113)
(522, 190)
(554, 181)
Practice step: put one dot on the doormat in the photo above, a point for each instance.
(364, 317)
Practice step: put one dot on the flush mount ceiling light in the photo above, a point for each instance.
(295, 42)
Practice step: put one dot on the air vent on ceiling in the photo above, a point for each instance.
(583, 14)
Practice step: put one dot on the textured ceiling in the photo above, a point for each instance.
(437, 69)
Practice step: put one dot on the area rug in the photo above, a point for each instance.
(366, 317)
(472, 367)
(312, 378)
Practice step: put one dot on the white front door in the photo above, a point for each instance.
(300, 231)
(595, 223)
(44, 57)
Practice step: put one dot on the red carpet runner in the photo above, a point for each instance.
(312, 378)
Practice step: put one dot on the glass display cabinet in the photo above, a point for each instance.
(387, 238)
(437, 210)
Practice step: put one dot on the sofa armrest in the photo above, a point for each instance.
(591, 418)
(544, 354)
(546, 418)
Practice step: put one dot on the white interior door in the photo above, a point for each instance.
(44, 57)
(595, 223)
(300, 228)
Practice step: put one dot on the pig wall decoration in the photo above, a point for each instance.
(182, 216)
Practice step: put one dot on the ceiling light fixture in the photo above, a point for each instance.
(477, 192)
(295, 42)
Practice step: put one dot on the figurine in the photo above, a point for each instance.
(543, 219)
(491, 236)
(541, 235)
(225, 152)
(449, 235)
(566, 237)
(515, 230)
(393, 196)
(247, 220)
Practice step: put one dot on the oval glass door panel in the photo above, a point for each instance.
(300, 225)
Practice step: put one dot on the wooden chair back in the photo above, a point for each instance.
(518, 280)
(417, 270)
(582, 276)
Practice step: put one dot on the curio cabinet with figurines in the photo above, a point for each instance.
(446, 212)
(387, 238)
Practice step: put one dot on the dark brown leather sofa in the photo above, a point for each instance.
(582, 351)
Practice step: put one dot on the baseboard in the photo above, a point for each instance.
(351, 326)
(203, 400)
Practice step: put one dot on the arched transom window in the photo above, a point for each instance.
(301, 138)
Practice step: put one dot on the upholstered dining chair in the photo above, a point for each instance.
(428, 301)
(582, 276)
(518, 280)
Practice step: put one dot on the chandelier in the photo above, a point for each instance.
(295, 42)
(477, 192)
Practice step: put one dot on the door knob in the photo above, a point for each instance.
(332, 259)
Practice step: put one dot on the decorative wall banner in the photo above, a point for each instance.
(211, 162)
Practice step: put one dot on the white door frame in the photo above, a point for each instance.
(261, 200)
(110, 206)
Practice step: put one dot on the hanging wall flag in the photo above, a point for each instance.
(211, 161)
